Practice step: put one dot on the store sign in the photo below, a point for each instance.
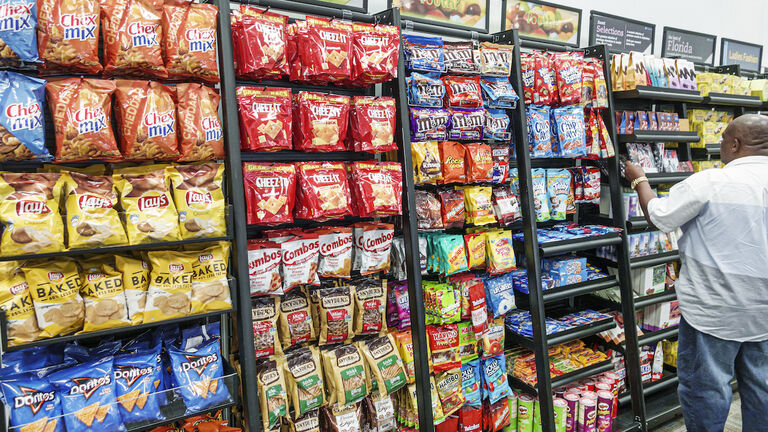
(696, 47)
(541, 20)
(621, 34)
(467, 14)
(748, 56)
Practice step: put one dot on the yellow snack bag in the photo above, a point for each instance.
(29, 209)
(478, 205)
(102, 291)
(55, 286)
(92, 219)
(135, 283)
(475, 243)
(170, 285)
(17, 304)
(210, 285)
(150, 215)
(499, 250)
(199, 199)
(405, 348)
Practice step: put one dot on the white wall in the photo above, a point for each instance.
(744, 20)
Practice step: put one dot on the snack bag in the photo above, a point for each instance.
(500, 253)
(496, 59)
(190, 40)
(261, 46)
(198, 373)
(273, 393)
(132, 36)
(375, 53)
(479, 162)
(264, 259)
(304, 379)
(375, 246)
(568, 68)
(448, 384)
(19, 40)
(424, 53)
(137, 378)
(495, 383)
(370, 296)
(323, 192)
(323, 120)
(210, 283)
(295, 323)
(545, 84)
(466, 123)
(540, 200)
(506, 205)
(65, 44)
(300, 255)
(135, 274)
(492, 339)
(471, 381)
(90, 404)
(265, 118)
(385, 364)
(478, 205)
(499, 293)
(463, 92)
(199, 198)
(198, 112)
(467, 341)
(336, 310)
(16, 302)
(428, 213)
(54, 286)
(372, 124)
(30, 212)
(378, 188)
(270, 192)
(497, 125)
(22, 125)
(429, 124)
(558, 188)
(452, 159)
(443, 345)
(146, 118)
(498, 93)
(265, 313)
(345, 375)
(539, 133)
(475, 247)
(452, 208)
(425, 90)
(325, 49)
(81, 112)
(426, 162)
(102, 290)
(170, 285)
(335, 252)
(90, 208)
(460, 58)
(34, 404)
(150, 215)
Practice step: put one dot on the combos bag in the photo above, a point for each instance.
(264, 259)
(34, 404)
(170, 285)
(201, 133)
(133, 37)
(345, 376)
(92, 220)
(82, 112)
(190, 40)
(210, 284)
(68, 36)
(54, 288)
(323, 192)
(197, 192)
(372, 124)
(16, 302)
(198, 373)
(135, 284)
(295, 318)
(265, 118)
(273, 392)
(22, 122)
(102, 290)
(304, 378)
(377, 188)
(374, 53)
(150, 215)
(300, 254)
(270, 192)
(29, 209)
(146, 119)
(323, 120)
(137, 378)
(335, 252)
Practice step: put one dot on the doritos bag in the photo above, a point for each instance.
(135, 284)
(18, 40)
(29, 209)
(198, 373)
(149, 211)
(133, 37)
(137, 379)
(22, 122)
(16, 302)
(170, 285)
(197, 192)
(146, 118)
(270, 192)
(372, 124)
(82, 113)
(199, 124)
(210, 285)
(325, 49)
(323, 120)
(54, 287)
(92, 219)
(374, 53)
(102, 291)
(89, 402)
(265, 118)
(190, 40)
(68, 36)
(34, 404)
(323, 191)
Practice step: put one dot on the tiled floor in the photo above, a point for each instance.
(733, 424)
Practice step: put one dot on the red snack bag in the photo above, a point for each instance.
(452, 162)
(452, 208)
(592, 132)
(323, 122)
(463, 91)
(449, 424)
(568, 69)
(190, 40)
(444, 346)
(372, 124)
(262, 40)
(479, 162)
(68, 36)
(378, 188)
(325, 49)
(293, 32)
(265, 118)
(146, 120)
(498, 415)
(270, 191)
(590, 177)
(544, 80)
(81, 112)
(478, 306)
(323, 192)
(374, 53)
(300, 255)
(201, 133)
(264, 259)
(528, 68)
(606, 144)
(471, 418)
(132, 37)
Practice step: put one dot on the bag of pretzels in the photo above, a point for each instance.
(304, 378)
(345, 376)
(273, 396)
(295, 323)
(370, 303)
(265, 312)
(335, 311)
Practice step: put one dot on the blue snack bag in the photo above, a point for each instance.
(22, 99)
(29, 359)
(138, 376)
(570, 131)
(495, 383)
(19, 31)
(424, 53)
(33, 402)
(88, 400)
(539, 133)
(497, 125)
(194, 336)
(425, 90)
(498, 92)
(499, 294)
(471, 382)
(198, 374)
(80, 354)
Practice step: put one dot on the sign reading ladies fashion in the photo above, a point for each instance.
(542, 20)
(621, 34)
(696, 47)
(469, 14)
(748, 56)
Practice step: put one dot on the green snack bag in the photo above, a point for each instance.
(467, 341)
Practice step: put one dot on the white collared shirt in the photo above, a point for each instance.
(723, 213)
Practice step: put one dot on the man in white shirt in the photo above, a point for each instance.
(723, 283)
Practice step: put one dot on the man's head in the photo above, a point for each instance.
(747, 135)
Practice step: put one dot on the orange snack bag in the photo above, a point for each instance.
(199, 124)
(68, 36)
(146, 119)
(190, 40)
(133, 37)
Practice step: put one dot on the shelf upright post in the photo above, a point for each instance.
(242, 296)
(632, 352)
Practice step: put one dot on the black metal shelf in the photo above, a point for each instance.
(648, 300)
(577, 289)
(656, 336)
(667, 178)
(578, 244)
(254, 230)
(298, 86)
(652, 260)
(297, 156)
(564, 379)
(565, 336)
(638, 223)
(669, 379)
(659, 94)
(659, 136)
(733, 100)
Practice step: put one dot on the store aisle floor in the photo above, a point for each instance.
(732, 425)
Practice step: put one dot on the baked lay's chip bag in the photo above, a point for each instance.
(146, 119)
(54, 287)
(68, 36)
(92, 219)
(265, 118)
(210, 285)
(34, 404)
(29, 209)
(16, 302)
(323, 120)
(82, 111)
(133, 37)
(102, 291)
(199, 198)
(190, 40)
(150, 215)
(198, 373)
(137, 378)
(135, 284)
(22, 122)
(201, 133)
(88, 399)
(170, 285)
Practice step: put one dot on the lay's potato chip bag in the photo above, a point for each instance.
(17, 304)
(102, 290)
(54, 286)
(29, 209)
(170, 285)
(135, 284)
(199, 199)
(92, 219)
(150, 215)
(210, 286)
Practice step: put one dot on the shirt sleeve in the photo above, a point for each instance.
(683, 203)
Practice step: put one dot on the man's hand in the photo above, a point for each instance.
(632, 171)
